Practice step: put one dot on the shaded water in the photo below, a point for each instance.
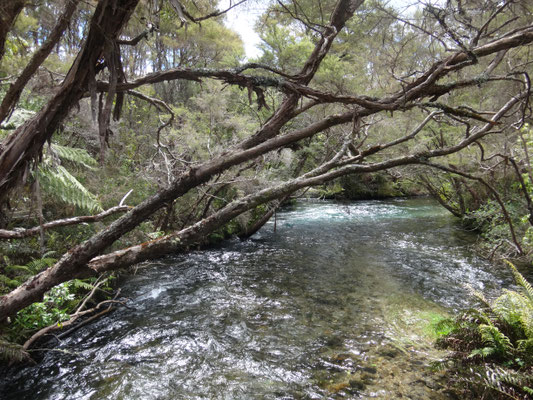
(336, 304)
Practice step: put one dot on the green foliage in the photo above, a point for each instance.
(75, 155)
(18, 117)
(58, 182)
(52, 310)
(14, 275)
(493, 344)
(56, 307)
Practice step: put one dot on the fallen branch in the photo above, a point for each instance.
(24, 233)
(74, 317)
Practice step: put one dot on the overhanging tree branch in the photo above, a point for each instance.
(23, 145)
(15, 89)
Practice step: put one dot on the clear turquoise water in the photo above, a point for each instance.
(335, 304)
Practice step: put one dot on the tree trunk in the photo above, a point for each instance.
(9, 10)
(25, 144)
(15, 90)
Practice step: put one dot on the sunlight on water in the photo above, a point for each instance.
(336, 303)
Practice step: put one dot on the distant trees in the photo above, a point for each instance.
(342, 88)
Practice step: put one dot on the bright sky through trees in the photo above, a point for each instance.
(242, 19)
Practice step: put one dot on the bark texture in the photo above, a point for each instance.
(9, 10)
(25, 144)
(15, 90)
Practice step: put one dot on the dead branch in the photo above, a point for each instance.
(159, 104)
(73, 318)
(24, 233)
(214, 14)
(133, 42)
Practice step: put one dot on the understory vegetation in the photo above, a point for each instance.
(132, 129)
(493, 345)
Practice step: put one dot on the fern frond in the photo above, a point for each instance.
(12, 352)
(75, 155)
(483, 352)
(513, 308)
(58, 182)
(12, 283)
(503, 381)
(491, 335)
(39, 264)
(478, 295)
(18, 269)
(525, 346)
(79, 284)
(522, 282)
(49, 253)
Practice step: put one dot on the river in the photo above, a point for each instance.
(337, 302)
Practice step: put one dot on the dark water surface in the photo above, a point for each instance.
(336, 304)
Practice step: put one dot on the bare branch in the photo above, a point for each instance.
(24, 233)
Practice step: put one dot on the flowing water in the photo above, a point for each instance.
(336, 303)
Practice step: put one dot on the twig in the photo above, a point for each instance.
(73, 318)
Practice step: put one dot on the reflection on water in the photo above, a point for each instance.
(334, 304)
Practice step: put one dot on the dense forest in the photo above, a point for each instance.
(132, 129)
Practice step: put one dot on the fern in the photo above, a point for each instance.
(41, 263)
(79, 284)
(12, 352)
(17, 269)
(58, 182)
(522, 282)
(75, 155)
(483, 352)
(22, 272)
(505, 381)
(31, 268)
(6, 281)
(492, 336)
(500, 331)
(515, 309)
(525, 346)
(478, 295)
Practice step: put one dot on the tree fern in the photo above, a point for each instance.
(75, 155)
(58, 182)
